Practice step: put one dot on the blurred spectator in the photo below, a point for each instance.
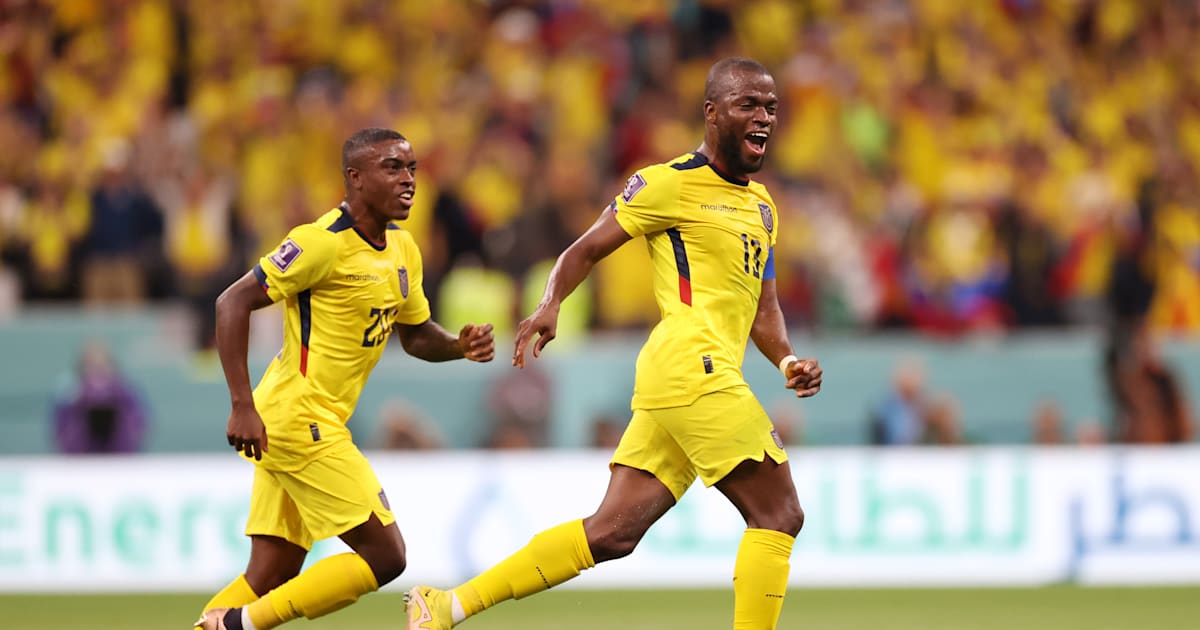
(607, 431)
(943, 422)
(510, 436)
(519, 402)
(898, 419)
(472, 293)
(53, 223)
(10, 293)
(1032, 258)
(1047, 424)
(1152, 407)
(98, 410)
(124, 222)
(574, 315)
(404, 427)
(1149, 406)
(788, 420)
(1090, 433)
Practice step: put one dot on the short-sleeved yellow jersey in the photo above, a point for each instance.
(342, 294)
(711, 240)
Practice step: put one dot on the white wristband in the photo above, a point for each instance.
(785, 362)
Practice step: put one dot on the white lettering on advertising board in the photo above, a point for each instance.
(896, 517)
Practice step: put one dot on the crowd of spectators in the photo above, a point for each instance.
(941, 166)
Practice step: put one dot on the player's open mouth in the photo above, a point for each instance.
(756, 141)
(406, 197)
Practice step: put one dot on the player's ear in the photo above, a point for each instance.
(353, 178)
(710, 112)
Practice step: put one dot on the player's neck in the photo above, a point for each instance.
(721, 165)
(369, 225)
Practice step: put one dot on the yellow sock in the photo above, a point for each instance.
(237, 593)
(551, 558)
(760, 578)
(328, 585)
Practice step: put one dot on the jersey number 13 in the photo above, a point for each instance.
(752, 260)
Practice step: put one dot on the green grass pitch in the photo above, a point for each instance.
(1056, 608)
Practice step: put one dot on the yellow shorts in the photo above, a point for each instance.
(708, 438)
(329, 496)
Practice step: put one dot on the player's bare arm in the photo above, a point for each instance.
(769, 333)
(245, 430)
(572, 266)
(430, 342)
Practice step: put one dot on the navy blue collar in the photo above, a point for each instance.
(347, 221)
(729, 178)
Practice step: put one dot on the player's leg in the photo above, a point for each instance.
(337, 494)
(273, 558)
(380, 546)
(766, 497)
(634, 501)
(744, 458)
(273, 561)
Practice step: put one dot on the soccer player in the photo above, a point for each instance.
(711, 233)
(348, 279)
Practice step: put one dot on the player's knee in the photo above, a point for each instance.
(613, 542)
(264, 580)
(387, 565)
(790, 520)
(796, 521)
(613, 546)
(787, 518)
(392, 568)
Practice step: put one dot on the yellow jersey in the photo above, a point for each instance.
(342, 294)
(711, 241)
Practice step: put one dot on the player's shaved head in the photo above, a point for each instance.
(362, 140)
(722, 74)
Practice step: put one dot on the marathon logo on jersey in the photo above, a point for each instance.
(315, 431)
(404, 282)
(288, 252)
(708, 366)
(775, 436)
(768, 220)
(635, 184)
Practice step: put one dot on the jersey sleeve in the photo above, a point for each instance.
(304, 259)
(649, 203)
(415, 309)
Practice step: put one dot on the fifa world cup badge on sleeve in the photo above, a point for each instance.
(768, 221)
(635, 184)
(288, 252)
(404, 282)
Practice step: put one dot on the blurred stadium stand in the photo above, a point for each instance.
(950, 173)
(942, 166)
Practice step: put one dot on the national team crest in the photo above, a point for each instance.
(768, 220)
(636, 183)
(404, 282)
(288, 252)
